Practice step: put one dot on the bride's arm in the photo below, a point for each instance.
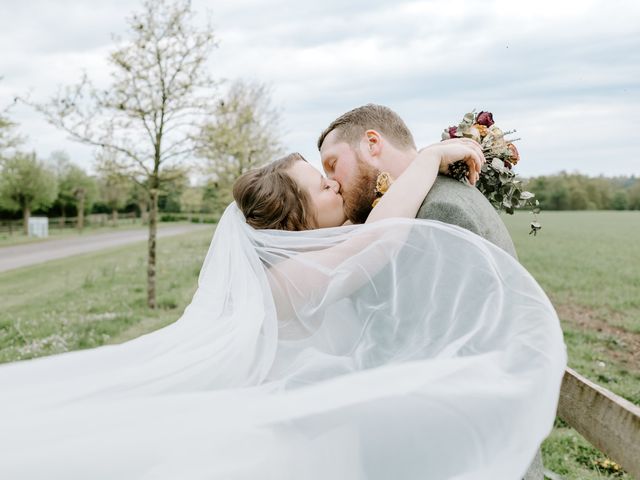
(406, 194)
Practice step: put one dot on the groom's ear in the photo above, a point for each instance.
(374, 142)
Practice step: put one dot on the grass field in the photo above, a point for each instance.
(89, 300)
(589, 265)
(587, 262)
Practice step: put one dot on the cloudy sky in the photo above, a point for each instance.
(565, 74)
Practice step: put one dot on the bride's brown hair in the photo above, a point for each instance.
(269, 198)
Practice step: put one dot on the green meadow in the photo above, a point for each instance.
(90, 300)
(587, 262)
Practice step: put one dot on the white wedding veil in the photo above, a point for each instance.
(404, 349)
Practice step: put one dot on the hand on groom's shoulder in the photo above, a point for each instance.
(454, 202)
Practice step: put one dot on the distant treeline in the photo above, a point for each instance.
(574, 191)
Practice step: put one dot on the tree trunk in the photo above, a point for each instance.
(151, 265)
(114, 217)
(63, 218)
(26, 214)
(81, 211)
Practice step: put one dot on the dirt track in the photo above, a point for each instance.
(30, 254)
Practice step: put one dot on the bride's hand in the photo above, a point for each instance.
(450, 151)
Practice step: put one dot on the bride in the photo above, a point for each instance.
(397, 349)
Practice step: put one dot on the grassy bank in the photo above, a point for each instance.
(89, 300)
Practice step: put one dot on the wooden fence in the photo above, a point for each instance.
(609, 422)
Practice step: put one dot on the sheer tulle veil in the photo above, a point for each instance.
(405, 349)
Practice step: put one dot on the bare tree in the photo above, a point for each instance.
(244, 134)
(149, 115)
(9, 139)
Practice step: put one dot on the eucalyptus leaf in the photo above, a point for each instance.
(527, 195)
(469, 118)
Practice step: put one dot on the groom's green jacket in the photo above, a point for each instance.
(454, 202)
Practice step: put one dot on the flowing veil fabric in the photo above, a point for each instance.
(404, 349)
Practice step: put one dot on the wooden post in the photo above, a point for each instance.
(606, 420)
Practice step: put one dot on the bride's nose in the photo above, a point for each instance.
(335, 186)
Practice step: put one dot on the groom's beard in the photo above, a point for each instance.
(360, 196)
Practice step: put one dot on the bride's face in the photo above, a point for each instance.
(323, 192)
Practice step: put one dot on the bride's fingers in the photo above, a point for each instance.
(478, 159)
(468, 142)
(474, 161)
(472, 172)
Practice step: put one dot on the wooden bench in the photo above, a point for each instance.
(609, 422)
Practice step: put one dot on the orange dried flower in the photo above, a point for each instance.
(515, 156)
(483, 130)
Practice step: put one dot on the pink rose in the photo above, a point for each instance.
(485, 118)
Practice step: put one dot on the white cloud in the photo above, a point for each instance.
(563, 73)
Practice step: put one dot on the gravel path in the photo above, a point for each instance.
(30, 254)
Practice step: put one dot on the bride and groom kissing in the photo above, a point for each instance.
(400, 348)
(355, 148)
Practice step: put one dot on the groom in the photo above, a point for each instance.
(367, 140)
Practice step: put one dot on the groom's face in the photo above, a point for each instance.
(357, 177)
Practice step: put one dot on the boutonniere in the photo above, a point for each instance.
(383, 183)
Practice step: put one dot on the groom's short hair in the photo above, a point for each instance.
(352, 125)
